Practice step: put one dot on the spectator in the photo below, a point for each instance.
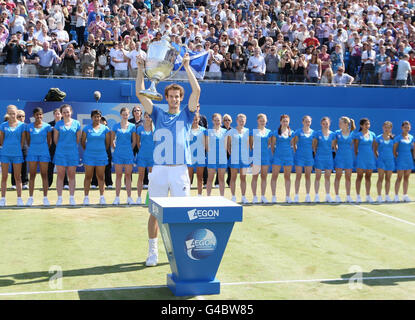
(314, 68)
(239, 63)
(404, 70)
(14, 53)
(342, 78)
(46, 59)
(69, 59)
(226, 67)
(300, 68)
(287, 67)
(412, 64)
(271, 65)
(120, 60)
(81, 20)
(256, 66)
(368, 60)
(386, 72)
(214, 63)
(337, 58)
(132, 59)
(327, 77)
(102, 62)
(87, 58)
(30, 59)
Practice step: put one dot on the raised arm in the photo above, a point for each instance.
(194, 97)
(139, 85)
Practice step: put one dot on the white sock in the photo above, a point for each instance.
(153, 244)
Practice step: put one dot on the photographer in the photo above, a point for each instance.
(69, 59)
(87, 61)
(14, 52)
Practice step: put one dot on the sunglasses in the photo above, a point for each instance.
(226, 119)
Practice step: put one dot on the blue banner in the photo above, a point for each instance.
(198, 61)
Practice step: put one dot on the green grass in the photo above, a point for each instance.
(106, 248)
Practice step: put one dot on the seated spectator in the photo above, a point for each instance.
(342, 78)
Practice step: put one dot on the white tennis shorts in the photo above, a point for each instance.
(164, 178)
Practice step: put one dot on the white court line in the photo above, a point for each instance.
(223, 284)
(386, 215)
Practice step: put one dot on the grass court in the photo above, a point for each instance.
(278, 251)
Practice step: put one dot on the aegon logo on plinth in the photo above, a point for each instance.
(203, 214)
(200, 244)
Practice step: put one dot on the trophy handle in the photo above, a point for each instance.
(178, 69)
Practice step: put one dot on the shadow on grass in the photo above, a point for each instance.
(378, 277)
(44, 276)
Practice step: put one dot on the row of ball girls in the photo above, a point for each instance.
(235, 148)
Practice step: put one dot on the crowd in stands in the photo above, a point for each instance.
(314, 41)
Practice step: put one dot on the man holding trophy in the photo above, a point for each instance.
(171, 146)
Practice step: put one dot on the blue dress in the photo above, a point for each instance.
(12, 143)
(261, 152)
(145, 154)
(239, 149)
(386, 160)
(38, 150)
(95, 151)
(67, 152)
(344, 154)
(283, 153)
(123, 152)
(365, 158)
(303, 156)
(324, 152)
(197, 149)
(217, 156)
(404, 160)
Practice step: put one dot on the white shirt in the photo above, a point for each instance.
(214, 67)
(403, 69)
(118, 55)
(259, 62)
(369, 55)
(133, 56)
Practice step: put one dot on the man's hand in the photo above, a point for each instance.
(140, 62)
(186, 60)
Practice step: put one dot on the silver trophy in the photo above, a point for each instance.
(159, 64)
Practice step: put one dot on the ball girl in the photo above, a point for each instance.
(123, 140)
(343, 146)
(216, 154)
(404, 151)
(383, 148)
(12, 136)
(283, 156)
(197, 137)
(67, 135)
(238, 147)
(39, 139)
(302, 143)
(145, 145)
(322, 146)
(95, 140)
(365, 158)
(260, 144)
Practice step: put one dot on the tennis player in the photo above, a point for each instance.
(171, 146)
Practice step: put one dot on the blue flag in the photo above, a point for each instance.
(198, 61)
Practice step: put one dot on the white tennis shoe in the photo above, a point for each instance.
(29, 202)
